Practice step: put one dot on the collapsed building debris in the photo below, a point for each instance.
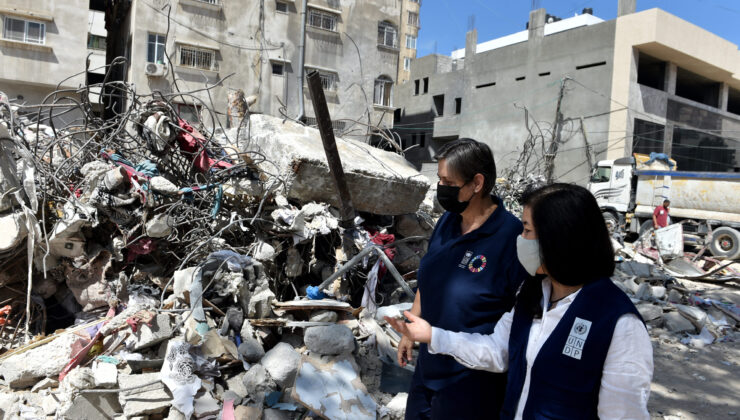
(153, 266)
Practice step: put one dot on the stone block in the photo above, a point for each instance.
(23, 370)
(330, 339)
(323, 316)
(257, 381)
(94, 406)
(235, 384)
(105, 374)
(281, 362)
(677, 323)
(149, 335)
(147, 394)
(380, 182)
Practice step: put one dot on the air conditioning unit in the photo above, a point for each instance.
(155, 70)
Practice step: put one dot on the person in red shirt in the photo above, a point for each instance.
(660, 215)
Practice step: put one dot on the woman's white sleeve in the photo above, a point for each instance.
(628, 371)
(476, 351)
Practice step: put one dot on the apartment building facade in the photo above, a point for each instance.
(410, 26)
(255, 46)
(41, 44)
(643, 82)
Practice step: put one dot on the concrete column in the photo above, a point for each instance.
(537, 23)
(671, 70)
(626, 7)
(668, 138)
(724, 96)
(471, 43)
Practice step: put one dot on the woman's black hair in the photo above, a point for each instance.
(467, 157)
(575, 246)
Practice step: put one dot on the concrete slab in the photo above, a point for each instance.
(380, 182)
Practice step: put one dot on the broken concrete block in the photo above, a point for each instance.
(147, 336)
(644, 291)
(674, 296)
(160, 226)
(94, 406)
(649, 312)
(397, 406)
(259, 304)
(658, 292)
(162, 185)
(409, 225)
(264, 251)
(333, 389)
(44, 384)
(23, 370)
(248, 412)
(105, 374)
(323, 316)
(677, 323)
(281, 362)
(380, 182)
(257, 381)
(330, 339)
(251, 350)
(7, 401)
(206, 406)
(145, 394)
(87, 283)
(235, 384)
(14, 230)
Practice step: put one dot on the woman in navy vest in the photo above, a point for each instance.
(467, 280)
(574, 345)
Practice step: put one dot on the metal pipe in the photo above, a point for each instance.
(301, 62)
(357, 258)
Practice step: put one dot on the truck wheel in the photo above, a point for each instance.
(725, 243)
(611, 220)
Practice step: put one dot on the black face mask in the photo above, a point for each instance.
(447, 197)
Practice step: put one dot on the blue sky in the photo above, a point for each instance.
(445, 22)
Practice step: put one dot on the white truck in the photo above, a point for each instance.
(706, 203)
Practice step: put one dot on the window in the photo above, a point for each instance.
(458, 105)
(601, 174)
(155, 49)
(329, 80)
(189, 113)
(407, 67)
(197, 58)
(410, 42)
(416, 87)
(651, 71)
(323, 20)
(383, 91)
(24, 31)
(413, 19)
(278, 69)
(281, 7)
(95, 42)
(422, 139)
(647, 137)
(426, 85)
(439, 104)
(387, 35)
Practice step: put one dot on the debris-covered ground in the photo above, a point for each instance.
(152, 267)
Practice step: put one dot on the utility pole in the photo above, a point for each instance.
(557, 127)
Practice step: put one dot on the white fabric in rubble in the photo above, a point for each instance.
(368, 296)
(311, 220)
(159, 125)
(178, 375)
(669, 241)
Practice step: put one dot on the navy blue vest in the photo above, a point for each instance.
(566, 374)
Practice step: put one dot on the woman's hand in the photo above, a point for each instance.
(416, 330)
(405, 351)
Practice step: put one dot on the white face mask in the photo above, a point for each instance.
(528, 252)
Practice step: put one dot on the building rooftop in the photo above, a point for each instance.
(521, 36)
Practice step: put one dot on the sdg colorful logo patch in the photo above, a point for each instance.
(477, 264)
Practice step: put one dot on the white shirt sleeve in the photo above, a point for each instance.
(628, 371)
(476, 351)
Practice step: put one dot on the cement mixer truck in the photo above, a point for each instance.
(706, 203)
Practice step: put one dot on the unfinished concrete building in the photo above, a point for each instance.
(578, 90)
(410, 26)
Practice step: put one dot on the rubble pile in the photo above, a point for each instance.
(153, 267)
(682, 296)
